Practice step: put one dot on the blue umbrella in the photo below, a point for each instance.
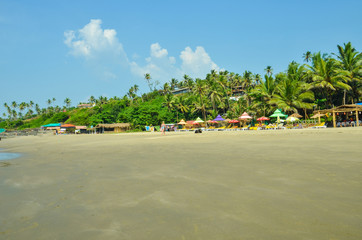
(219, 118)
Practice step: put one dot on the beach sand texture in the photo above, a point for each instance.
(292, 184)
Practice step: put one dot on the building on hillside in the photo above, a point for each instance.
(180, 91)
(113, 127)
(86, 105)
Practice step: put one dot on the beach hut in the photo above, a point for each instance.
(113, 127)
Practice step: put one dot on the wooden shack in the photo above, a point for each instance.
(348, 109)
(113, 127)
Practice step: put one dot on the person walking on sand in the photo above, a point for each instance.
(163, 128)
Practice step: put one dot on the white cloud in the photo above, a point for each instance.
(196, 63)
(92, 40)
(104, 53)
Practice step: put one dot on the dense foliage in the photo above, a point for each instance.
(322, 82)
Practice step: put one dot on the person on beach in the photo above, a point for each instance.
(163, 128)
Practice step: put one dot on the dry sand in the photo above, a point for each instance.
(292, 184)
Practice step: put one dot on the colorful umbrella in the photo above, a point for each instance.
(263, 119)
(199, 120)
(278, 113)
(219, 118)
(212, 121)
(233, 121)
(245, 116)
(297, 115)
(2, 130)
(182, 122)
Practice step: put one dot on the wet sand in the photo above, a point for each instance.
(292, 184)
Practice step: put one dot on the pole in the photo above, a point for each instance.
(319, 117)
(334, 119)
(357, 120)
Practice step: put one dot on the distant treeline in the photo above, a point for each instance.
(323, 81)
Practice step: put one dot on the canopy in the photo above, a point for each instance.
(296, 115)
(2, 130)
(199, 120)
(244, 116)
(263, 119)
(182, 122)
(292, 119)
(67, 126)
(219, 118)
(278, 113)
(318, 115)
(52, 125)
(233, 121)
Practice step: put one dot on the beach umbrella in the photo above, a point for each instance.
(263, 119)
(292, 119)
(199, 120)
(318, 115)
(219, 118)
(278, 113)
(212, 121)
(233, 121)
(2, 130)
(296, 115)
(245, 116)
(182, 122)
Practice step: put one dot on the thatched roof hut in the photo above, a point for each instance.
(114, 127)
(354, 109)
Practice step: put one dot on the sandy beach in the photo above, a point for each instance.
(286, 184)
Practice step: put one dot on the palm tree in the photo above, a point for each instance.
(92, 99)
(14, 104)
(173, 83)
(200, 90)
(351, 64)
(292, 94)
(169, 102)
(148, 79)
(326, 75)
(307, 56)
(269, 70)
(67, 102)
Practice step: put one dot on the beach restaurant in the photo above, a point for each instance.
(112, 127)
(345, 113)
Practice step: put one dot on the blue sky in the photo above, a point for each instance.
(81, 48)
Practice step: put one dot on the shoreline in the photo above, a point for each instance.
(277, 184)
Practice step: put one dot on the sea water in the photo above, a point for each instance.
(8, 156)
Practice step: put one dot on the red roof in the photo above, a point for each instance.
(67, 126)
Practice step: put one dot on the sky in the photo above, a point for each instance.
(77, 49)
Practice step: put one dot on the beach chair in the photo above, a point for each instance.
(221, 128)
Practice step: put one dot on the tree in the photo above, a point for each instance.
(351, 64)
(307, 56)
(269, 70)
(148, 80)
(67, 102)
(326, 75)
(292, 92)
(199, 90)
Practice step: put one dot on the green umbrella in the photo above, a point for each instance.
(2, 130)
(278, 113)
(198, 120)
